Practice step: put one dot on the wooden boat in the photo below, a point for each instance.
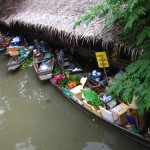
(5, 43)
(19, 56)
(16, 43)
(68, 63)
(43, 64)
(99, 114)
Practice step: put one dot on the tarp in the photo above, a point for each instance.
(89, 95)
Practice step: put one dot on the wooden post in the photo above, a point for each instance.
(104, 70)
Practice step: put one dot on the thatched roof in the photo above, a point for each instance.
(58, 18)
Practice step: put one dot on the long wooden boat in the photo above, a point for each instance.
(17, 59)
(16, 42)
(69, 64)
(97, 115)
(43, 65)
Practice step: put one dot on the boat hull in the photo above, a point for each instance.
(133, 136)
(43, 74)
(17, 64)
(46, 75)
(3, 48)
(65, 68)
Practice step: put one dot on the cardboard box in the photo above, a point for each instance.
(119, 113)
(87, 106)
(12, 49)
(108, 115)
(13, 53)
(77, 91)
(96, 112)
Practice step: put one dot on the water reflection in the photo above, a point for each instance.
(26, 145)
(2, 110)
(2, 119)
(111, 140)
(30, 92)
(96, 146)
(7, 105)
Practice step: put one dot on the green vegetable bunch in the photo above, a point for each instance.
(56, 71)
(64, 82)
(97, 102)
(28, 63)
(76, 78)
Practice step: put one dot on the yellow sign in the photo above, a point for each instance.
(102, 59)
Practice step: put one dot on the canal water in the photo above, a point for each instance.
(35, 116)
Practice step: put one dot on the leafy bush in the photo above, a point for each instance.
(134, 16)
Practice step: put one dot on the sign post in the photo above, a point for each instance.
(102, 62)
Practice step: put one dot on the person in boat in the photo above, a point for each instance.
(135, 120)
(61, 54)
(121, 72)
(130, 118)
(36, 44)
(43, 46)
(37, 53)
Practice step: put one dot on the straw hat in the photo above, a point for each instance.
(133, 104)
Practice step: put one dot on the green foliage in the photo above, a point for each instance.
(91, 96)
(76, 78)
(134, 16)
(97, 102)
(56, 71)
(135, 82)
(64, 82)
(28, 63)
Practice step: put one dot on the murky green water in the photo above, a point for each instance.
(35, 116)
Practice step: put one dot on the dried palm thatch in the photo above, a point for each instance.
(58, 18)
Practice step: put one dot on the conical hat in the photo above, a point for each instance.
(133, 104)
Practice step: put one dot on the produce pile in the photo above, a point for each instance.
(27, 64)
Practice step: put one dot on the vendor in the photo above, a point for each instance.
(130, 117)
(43, 46)
(61, 54)
(121, 71)
(133, 118)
